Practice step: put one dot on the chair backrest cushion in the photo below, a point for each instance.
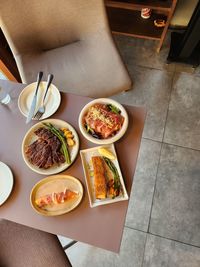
(47, 24)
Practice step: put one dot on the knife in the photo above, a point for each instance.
(33, 103)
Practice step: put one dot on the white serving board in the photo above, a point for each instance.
(86, 156)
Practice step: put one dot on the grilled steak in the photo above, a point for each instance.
(44, 133)
(45, 151)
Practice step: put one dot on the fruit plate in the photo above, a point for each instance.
(86, 157)
(52, 187)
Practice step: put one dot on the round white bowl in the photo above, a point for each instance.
(112, 139)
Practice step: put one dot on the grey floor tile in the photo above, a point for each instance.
(140, 202)
(176, 213)
(166, 253)
(131, 253)
(183, 121)
(143, 52)
(151, 88)
(197, 71)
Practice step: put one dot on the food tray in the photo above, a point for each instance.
(86, 156)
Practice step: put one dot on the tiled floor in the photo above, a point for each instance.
(163, 220)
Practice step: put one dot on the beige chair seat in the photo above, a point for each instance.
(22, 246)
(81, 67)
(70, 39)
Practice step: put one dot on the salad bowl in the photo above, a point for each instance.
(103, 121)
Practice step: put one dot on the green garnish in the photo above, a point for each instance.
(88, 129)
(117, 184)
(58, 133)
(114, 109)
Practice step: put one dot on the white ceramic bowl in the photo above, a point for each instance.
(112, 139)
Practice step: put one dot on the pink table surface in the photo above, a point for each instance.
(100, 226)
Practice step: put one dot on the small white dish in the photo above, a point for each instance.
(108, 140)
(52, 101)
(30, 137)
(6, 182)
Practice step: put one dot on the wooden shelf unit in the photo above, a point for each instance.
(125, 18)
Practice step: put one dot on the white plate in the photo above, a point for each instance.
(30, 137)
(57, 183)
(86, 156)
(52, 101)
(6, 182)
(109, 140)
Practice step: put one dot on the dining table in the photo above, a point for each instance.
(101, 226)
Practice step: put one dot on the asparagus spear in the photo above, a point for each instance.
(114, 109)
(117, 184)
(58, 133)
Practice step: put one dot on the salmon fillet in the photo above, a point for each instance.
(99, 177)
(103, 121)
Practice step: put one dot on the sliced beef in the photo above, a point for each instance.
(45, 151)
(44, 133)
(49, 162)
(61, 157)
(55, 144)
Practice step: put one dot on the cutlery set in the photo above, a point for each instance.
(37, 115)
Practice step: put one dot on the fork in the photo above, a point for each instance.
(41, 109)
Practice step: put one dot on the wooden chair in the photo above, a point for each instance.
(7, 63)
(70, 39)
(22, 246)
